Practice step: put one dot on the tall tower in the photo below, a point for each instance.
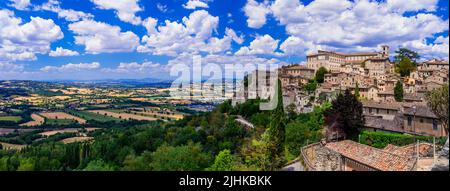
(385, 50)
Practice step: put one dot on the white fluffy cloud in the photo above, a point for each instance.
(256, 13)
(125, 9)
(191, 36)
(150, 24)
(411, 5)
(438, 49)
(20, 4)
(98, 37)
(72, 67)
(68, 14)
(21, 41)
(193, 4)
(262, 45)
(344, 25)
(217, 45)
(60, 51)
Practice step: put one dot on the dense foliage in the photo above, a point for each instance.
(438, 102)
(320, 74)
(382, 139)
(405, 67)
(346, 114)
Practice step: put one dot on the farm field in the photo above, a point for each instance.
(92, 116)
(60, 121)
(62, 115)
(122, 115)
(6, 131)
(76, 139)
(151, 113)
(37, 120)
(10, 118)
(8, 146)
(68, 130)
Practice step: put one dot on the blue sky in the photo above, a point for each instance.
(102, 39)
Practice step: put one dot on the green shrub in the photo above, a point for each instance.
(382, 139)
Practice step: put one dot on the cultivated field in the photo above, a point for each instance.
(10, 118)
(6, 131)
(123, 115)
(8, 146)
(37, 120)
(93, 116)
(68, 130)
(152, 113)
(76, 139)
(62, 115)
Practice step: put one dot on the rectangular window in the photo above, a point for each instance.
(409, 120)
(378, 110)
(435, 124)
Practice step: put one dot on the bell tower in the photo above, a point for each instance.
(385, 50)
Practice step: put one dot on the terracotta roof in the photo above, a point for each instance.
(410, 150)
(372, 157)
(436, 61)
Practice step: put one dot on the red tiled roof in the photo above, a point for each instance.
(372, 157)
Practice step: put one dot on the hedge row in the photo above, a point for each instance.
(382, 139)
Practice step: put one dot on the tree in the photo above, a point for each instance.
(98, 165)
(26, 164)
(291, 110)
(406, 53)
(276, 134)
(346, 112)
(224, 161)
(438, 102)
(182, 158)
(405, 67)
(311, 86)
(356, 90)
(398, 91)
(320, 74)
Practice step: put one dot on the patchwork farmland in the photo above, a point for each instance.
(62, 116)
(10, 118)
(37, 120)
(76, 139)
(122, 115)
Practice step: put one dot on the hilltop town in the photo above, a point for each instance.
(393, 101)
(373, 76)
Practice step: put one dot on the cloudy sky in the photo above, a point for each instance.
(104, 39)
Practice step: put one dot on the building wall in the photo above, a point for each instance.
(423, 125)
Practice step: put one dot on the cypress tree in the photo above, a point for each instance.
(276, 134)
(398, 91)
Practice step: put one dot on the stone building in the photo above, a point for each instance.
(423, 121)
(333, 61)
